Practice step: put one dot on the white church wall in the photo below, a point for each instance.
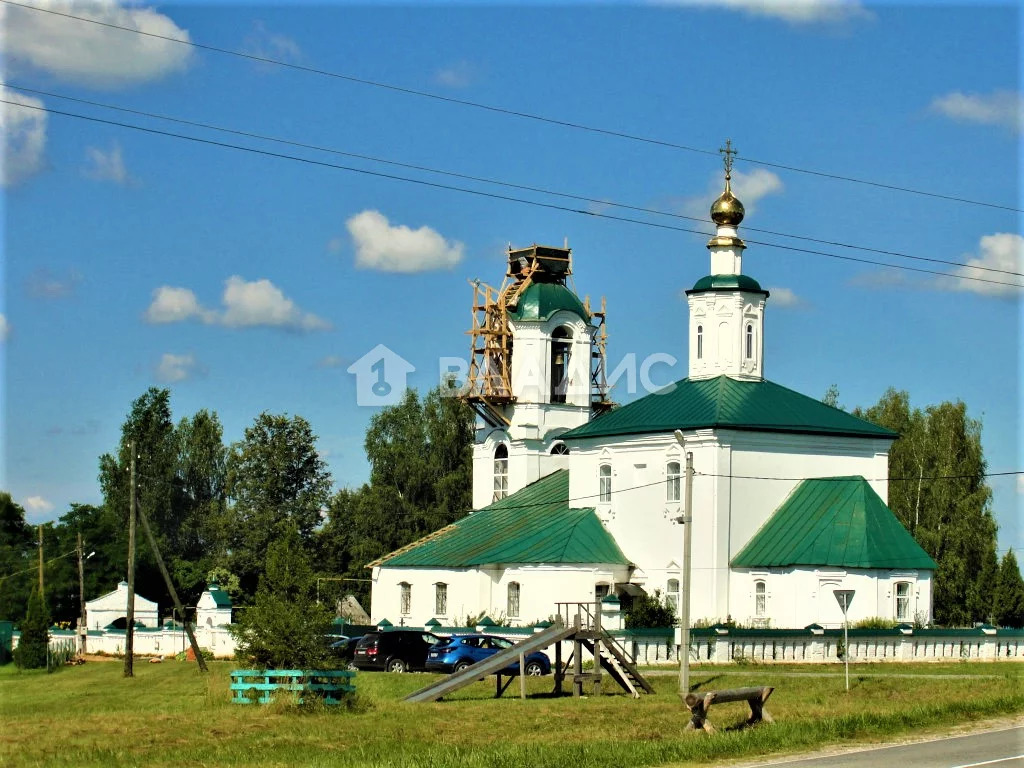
(798, 597)
(485, 590)
(112, 606)
(728, 509)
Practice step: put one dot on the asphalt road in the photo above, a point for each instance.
(993, 749)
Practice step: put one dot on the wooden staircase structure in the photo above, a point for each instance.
(582, 625)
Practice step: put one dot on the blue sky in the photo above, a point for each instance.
(249, 283)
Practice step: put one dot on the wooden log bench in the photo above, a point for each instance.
(330, 685)
(699, 705)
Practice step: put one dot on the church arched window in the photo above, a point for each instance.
(760, 597)
(672, 481)
(500, 472)
(700, 342)
(750, 341)
(560, 449)
(605, 478)
(513, 600)
(405, 598)
(561, 342)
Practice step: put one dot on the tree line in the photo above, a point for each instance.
(216, 508)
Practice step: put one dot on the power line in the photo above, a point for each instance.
(36, 567)
(486, 180)
(507, 111)
(492, 195)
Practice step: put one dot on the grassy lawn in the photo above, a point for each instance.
(172, 714)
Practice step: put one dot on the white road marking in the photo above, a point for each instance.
(990, 762)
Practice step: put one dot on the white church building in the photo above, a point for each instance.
(575, 500)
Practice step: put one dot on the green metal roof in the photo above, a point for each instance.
(533, 525)
(723, 402)
(541, 300)
(726, 282)
(220, 597)
(833, 521)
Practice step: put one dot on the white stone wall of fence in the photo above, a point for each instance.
(652, 648)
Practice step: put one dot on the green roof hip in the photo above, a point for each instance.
(541, 300)
(727, 282)
(533, 525)
(220, 598)
(727, 403)
(833, 521)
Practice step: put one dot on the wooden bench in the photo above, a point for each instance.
(699, 705)
(331, 685)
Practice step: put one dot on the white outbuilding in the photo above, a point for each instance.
(110, 608)
(213, 609)
(576, 500)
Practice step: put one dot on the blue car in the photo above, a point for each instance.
(461, 651)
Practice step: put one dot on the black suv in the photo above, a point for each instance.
(396, 650)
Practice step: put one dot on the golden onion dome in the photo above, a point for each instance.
(727, 209)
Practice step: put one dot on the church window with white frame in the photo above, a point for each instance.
(750, 341)
(561, 344)
(672, 481)
(700, 342)
(560, 449)
(500, 472)
(441, 599)
(405, 598)
(512, 609)
(672, 594)
(902, 601)
(760, 599)
(605, 477)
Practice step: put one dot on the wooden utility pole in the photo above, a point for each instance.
(81, 598)
(40, 562)
(170, 588)
(129, 630)
(684, 598)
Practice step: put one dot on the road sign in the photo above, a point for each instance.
(844, 597)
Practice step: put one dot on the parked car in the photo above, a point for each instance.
(394, 650)
(344, 650)
(461, 651)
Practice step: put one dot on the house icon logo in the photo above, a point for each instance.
(380, 377)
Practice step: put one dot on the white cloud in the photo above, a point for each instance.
(5, 329)
(271, 45)
(750, 188)
(45, 284)
(331, 361)
(399, 248)
(246, 304)
(106, 165)
(1004, 251)
(784, 297)
(1005, 108)
(175, 368)
(92, 54)
(23, 136)
(38, 504)
(792, 11)
(461, 74)
(174, 305)
(260, 302)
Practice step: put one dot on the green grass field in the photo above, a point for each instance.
(170, 714)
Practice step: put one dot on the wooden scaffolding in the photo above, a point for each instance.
(489, 385)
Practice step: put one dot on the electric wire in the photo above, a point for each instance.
(492, 195)
(36, 567)
(508, 111)
(486, 180)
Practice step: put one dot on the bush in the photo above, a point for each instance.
(650, 611)
(284, 628)
(875, 622)
(35, 635)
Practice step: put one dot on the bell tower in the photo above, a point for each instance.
(726, 306)
(537, 370)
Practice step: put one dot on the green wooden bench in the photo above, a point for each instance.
(331, 685)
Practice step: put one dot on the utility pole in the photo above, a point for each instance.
(40, 562)
(170, 588)
(129, 631)
(684, 598)
(81, 598)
